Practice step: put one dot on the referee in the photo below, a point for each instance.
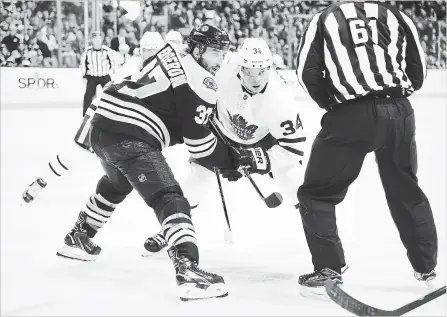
(97, 63)
(360, 61)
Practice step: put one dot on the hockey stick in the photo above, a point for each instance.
(273, 200)
(228, 235)
(358, 308)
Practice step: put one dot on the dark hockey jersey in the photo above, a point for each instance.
(169, 99)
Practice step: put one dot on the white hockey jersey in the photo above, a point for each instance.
(246, 119)
(131, 66)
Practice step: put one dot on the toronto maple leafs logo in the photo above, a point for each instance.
(239, 125)
(210, 83)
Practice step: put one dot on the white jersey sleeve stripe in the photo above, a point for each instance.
(142, 113)
(205, 152)
(417, 40)
(121, 115)
(193, 142)
(307, 41)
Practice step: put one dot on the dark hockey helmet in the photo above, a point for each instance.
(207, 35)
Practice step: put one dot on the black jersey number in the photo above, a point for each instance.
(359, 31)
(288, 127)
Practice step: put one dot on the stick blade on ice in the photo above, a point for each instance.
(349, 303)
(358, 308)
(274, 200)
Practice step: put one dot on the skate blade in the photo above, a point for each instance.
(75, 254)
(157, 254)
(316, 293)
(189, 292)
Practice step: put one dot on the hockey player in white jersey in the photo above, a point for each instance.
(150, 44)
(176, 40)
(60, 164)
(255, 109)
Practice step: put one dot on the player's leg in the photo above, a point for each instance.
(90, 91)
(198, 182)
(288, 179)
(147, 170)
(335, 162)
(59, 164)
(111, 190)
(104, 80)
(410, 208)
(287, 172)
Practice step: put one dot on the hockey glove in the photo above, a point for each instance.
(254, 160)
(231, 175)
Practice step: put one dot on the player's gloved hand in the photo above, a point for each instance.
(254, 160)
(230, 174)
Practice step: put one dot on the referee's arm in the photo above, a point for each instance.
(310, 70)
(84, 63)
(416, 68)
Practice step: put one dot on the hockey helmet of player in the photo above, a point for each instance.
(208, 45)
(124, 48)
(255, 63)
(150, 44)
(174, 37)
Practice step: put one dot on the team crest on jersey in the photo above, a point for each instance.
(210, 83)
(243, 130)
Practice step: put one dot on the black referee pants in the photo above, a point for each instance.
(350, 131)
(90, 91)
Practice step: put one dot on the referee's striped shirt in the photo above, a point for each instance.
(97, 63)
(352, 49)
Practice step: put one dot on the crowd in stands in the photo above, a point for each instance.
(29, 33)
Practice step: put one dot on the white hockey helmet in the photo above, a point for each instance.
(174, 37)
(150, 44)
(124, 48)
(255, 53)
(152, 41)
(255, 60)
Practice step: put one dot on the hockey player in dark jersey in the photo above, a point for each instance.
(166, 103)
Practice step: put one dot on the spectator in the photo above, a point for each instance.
(120, 39)
(11, 41)
(43, 47)
(267, 19)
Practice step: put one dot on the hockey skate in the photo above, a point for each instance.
(154, 245)
(193, 283)
(426, 278)
(313, 283)
(33, 190)
(78, 245)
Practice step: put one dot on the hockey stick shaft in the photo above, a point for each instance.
(222, 197)
(254, 184)
(358, 308)
(419, 302)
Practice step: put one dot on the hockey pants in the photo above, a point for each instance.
(134, 164)
(350, 131)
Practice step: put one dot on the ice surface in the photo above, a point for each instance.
(261, 269)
